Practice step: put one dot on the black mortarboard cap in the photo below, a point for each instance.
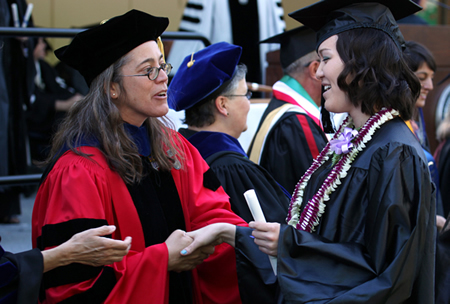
(331, 17)
(203, 73)
(294, 44)
(94, 50)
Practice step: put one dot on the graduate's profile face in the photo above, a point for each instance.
(330, 67)
(425, 75)
(141, 97)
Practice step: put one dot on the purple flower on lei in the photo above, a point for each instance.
(343, 143)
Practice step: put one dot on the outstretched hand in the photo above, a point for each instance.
(210, 235)
(266, 236)
(88, 247)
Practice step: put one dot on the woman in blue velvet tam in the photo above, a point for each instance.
(210, 86)
(361, 223)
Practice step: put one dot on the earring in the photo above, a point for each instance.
(228, 113)
(113, 94)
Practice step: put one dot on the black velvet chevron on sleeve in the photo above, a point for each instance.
(210, 180)
(56, 234)
(98, 292)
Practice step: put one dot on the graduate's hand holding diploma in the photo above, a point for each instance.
(266, 236)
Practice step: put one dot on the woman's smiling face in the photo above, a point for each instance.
(425, 75)
(331, 66)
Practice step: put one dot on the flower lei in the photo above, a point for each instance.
(342, 144)
(315, 207)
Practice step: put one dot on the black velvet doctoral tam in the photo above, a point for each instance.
(95, 49)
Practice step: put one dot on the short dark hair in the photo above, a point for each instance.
(375, 75)
(202, 113)
(416, 54)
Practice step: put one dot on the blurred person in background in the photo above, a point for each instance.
(442, 156)
(210, 86)
(422, 63)
(50, 101)
(16, 86)
(295, 136)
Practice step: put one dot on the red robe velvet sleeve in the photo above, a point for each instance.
(80, 189)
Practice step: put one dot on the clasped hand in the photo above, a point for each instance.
(265, 236)
(176, 242)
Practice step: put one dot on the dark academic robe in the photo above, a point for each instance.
(443, 164)
(18, 72)
(237, 174)
(80, 193)
(4, 98)
(443, 265)
(292, 144)
(72, 78)
(20, 276)
(431, 161)
(375, 242)
(42, 117)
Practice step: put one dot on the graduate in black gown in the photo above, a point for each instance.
(211, 87)
(361, 224)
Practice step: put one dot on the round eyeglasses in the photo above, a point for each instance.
(154, 72)
(248, 95)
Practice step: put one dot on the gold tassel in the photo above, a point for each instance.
(161, 47)
(191, 63)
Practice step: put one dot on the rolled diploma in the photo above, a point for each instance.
(15, 14)
(258, 215)
(27, 16)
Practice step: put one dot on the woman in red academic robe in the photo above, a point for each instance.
(113, 161)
